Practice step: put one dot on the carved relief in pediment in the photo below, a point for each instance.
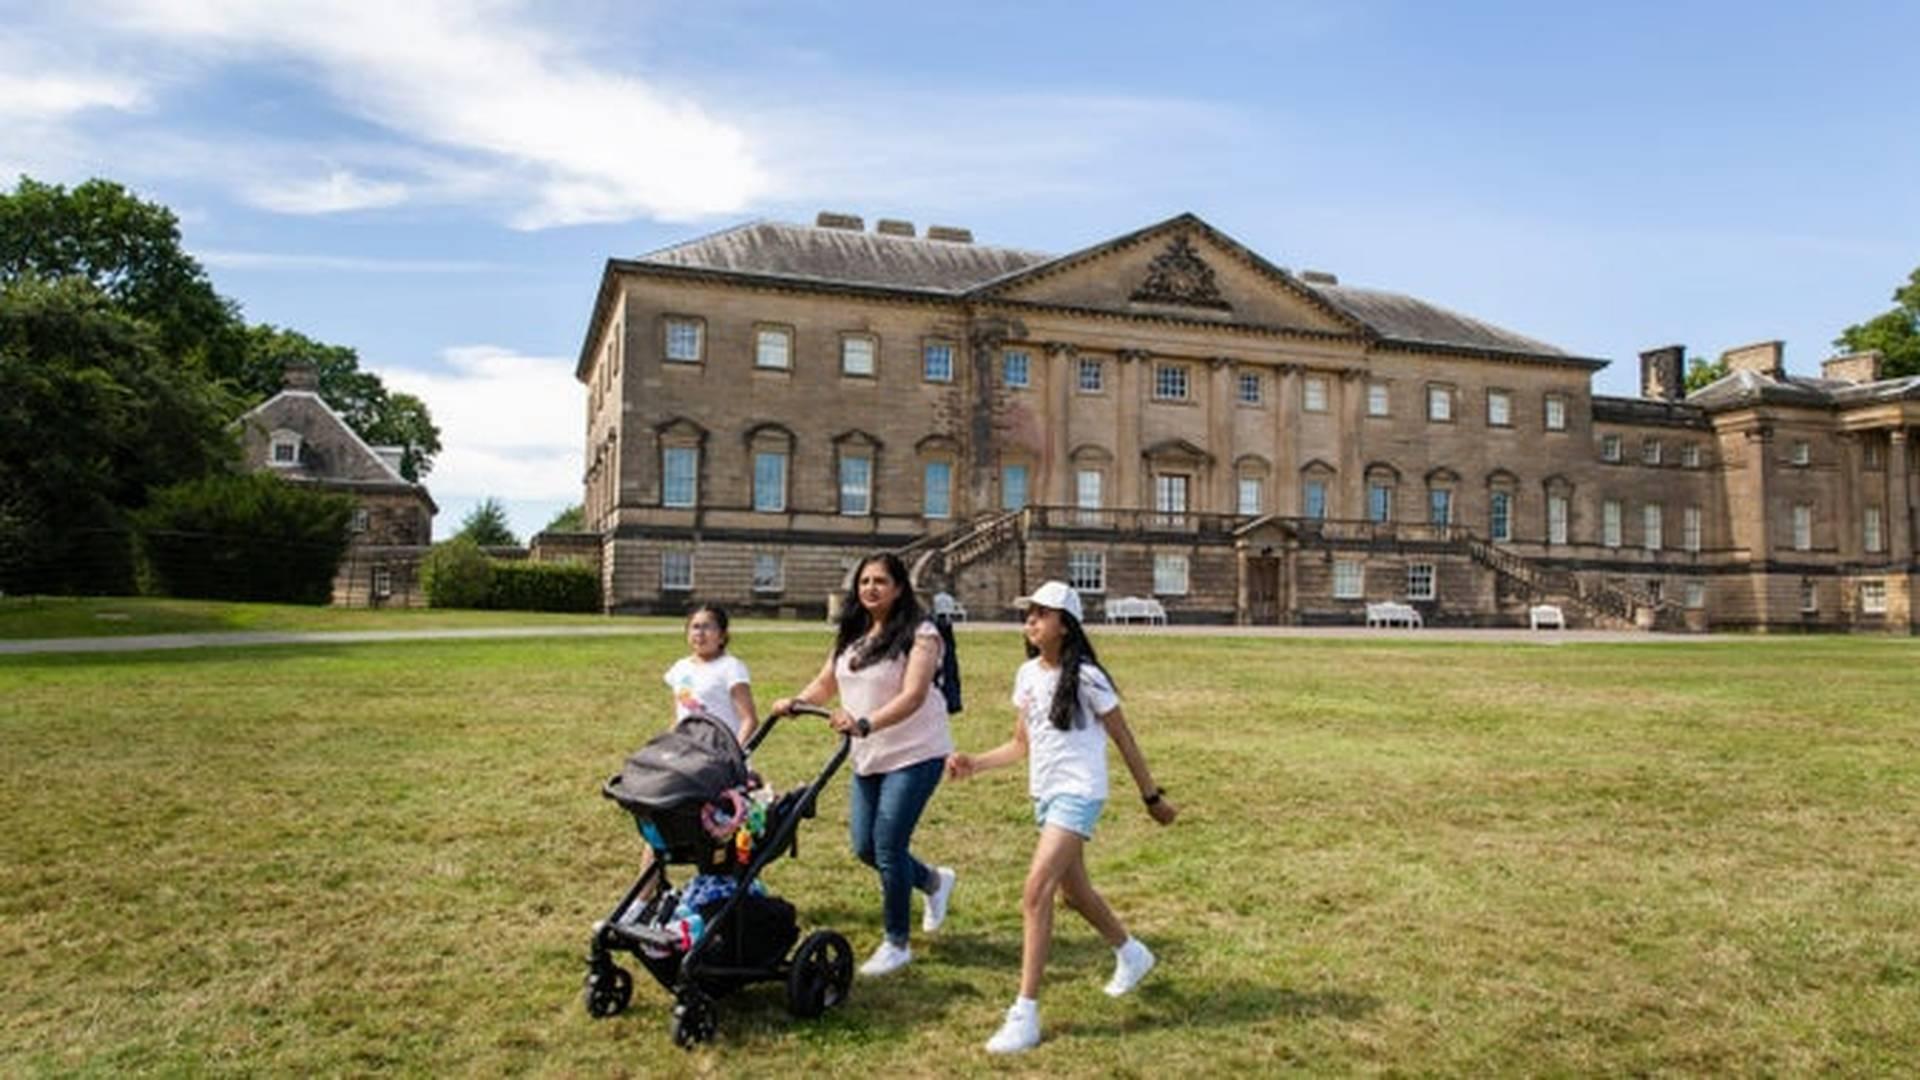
(1180, 276)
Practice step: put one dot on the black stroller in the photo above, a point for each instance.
(695, 801)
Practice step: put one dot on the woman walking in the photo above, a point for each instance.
(884, 658)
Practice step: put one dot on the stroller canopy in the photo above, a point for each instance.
(694, 760)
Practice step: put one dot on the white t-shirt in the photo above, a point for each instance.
(707, 686)
(1070, 762)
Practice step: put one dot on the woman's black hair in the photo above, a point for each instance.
(719, 620)
(896, 637)
(1076, 652)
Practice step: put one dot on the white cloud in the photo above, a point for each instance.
(338, 190)
(29, 95)
(511, 425)
(571, 141)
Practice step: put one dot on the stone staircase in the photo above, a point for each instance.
(1601, 605)
(935, 562)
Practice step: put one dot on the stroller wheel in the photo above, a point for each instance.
(822, 971)
(609, 990)
(693, 1020)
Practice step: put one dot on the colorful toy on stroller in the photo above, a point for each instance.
(697, 805)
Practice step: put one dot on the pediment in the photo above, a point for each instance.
(1181, 268)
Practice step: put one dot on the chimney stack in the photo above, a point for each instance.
(828, 219)
(1663, 373)
(1767, 358)
(1318, 277)
(893, 227)
(300, 375)
(950, 234)
(1860, 367)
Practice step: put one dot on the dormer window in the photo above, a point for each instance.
(284, 451)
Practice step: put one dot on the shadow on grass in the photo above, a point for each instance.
(1224, 1005)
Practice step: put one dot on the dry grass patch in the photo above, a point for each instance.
(1453, 859)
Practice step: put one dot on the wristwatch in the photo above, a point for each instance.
(1153, 798)
(863, 727)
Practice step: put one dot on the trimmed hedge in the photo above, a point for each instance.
(457, 574)
(531, 586)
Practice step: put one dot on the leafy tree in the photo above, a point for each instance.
(91, 417)
(1701, 371)
(406, 423)
(245, 536)
(457, 574)
(1895, 333)
(486, 525)
(572, 519)
(130, 251)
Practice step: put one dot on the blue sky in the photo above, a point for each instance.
(437, 183)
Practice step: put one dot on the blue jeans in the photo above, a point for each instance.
(881, 815)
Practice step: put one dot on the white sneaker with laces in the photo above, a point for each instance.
(1021, 1031)
(937, 900)
(1131, 963)
(886, 959)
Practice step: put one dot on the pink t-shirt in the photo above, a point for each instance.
(919, 737)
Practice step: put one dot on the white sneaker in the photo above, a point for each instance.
(886, 959)
(1021, 1031)
(1131, 963)
(937, 900)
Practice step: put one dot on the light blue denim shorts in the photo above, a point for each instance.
(1075, 813)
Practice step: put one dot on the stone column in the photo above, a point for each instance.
(1287, 493)
(1899, 516)
(1220, 406)
(1759, 470)
(1348, 399)
(977, 388)
(1127, 478)
(1061, 378)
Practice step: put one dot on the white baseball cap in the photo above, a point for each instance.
(1054, 594)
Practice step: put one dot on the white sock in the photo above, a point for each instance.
(1026, 1004)
(1127, 944)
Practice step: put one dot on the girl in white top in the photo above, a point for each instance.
(710, 679)
(1067, 710)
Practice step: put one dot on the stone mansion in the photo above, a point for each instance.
(1167, 414)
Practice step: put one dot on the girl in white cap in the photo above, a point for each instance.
(1067, 709)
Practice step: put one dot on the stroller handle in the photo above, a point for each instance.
(798, 708)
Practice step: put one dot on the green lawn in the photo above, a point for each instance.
(91, 616)
(1394, 857)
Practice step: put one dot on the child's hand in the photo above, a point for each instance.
(959, 766)
(1164, 811)
(780, 707)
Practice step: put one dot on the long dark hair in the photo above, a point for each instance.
(1076, 652)
(896, 637)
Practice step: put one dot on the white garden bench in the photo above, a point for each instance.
(1125, 609)
(947, 604)
(1388, 613)
(1540, 616)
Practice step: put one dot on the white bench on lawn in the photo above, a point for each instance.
(946, 604)
(1544, 615)
(1387, 613)
(1125, 609)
